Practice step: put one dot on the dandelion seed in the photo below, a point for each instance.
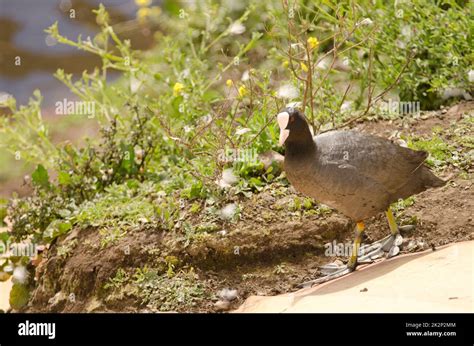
(470, 76)
(241, 131)
(323, 64)
(243, 91)
(20, 275)
(346, 106)
(228, 211)
(228, 294)
(304, 67)
(406, 32)
(295, 45)
(245, 76)
(366, 21)
(228, 178)
(207, 119)
(177, 89)
(288, 91)
(135, 84)
(313, 42)
(237, 28)
(186, 73)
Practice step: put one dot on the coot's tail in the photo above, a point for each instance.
(429, 179)
(421, 180)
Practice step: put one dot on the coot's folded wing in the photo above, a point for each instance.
(374, 157)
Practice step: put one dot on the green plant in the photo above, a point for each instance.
(187, 120)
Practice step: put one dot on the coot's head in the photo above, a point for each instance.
(292, 124)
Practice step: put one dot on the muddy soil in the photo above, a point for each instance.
(270, 250)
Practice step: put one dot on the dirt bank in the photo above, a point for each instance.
(278, 242)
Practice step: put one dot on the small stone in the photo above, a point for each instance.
(398, 240)
(395, 250)
(411, 245)
(421, 245)
(222, 305)
(94, 305)
(58, 301)
(406, 228)
(377, 255)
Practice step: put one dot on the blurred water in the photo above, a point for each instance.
(22, 24)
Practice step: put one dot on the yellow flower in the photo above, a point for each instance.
(177, 89)
(243, 91)
(143, 3)
(285, 63)
(143, 13)
(229, 82)
(313, 42)
(304, 67)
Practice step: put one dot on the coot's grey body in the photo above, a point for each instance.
(358, 174)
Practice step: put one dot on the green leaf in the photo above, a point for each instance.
(172, 6)
(64, 178)
(128, 158)
(63, 227)
(55, 229)
(40, 177)
(4, 236)
(19, 296)
(3, 211)
(195, 190)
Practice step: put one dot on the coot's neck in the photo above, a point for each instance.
(300, 142)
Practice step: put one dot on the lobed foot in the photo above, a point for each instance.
(341, 271)
(389, 245)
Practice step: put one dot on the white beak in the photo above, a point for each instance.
(283, 118)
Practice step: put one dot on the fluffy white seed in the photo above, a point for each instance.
(228, 178)
(228, 211)
(237, 28)
(20, 275)
(288, 91)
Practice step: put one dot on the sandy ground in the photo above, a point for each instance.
(430, 281)
(4, 294)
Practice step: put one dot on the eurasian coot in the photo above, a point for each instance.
(358, 174)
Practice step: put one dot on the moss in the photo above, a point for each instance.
(181, 292)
